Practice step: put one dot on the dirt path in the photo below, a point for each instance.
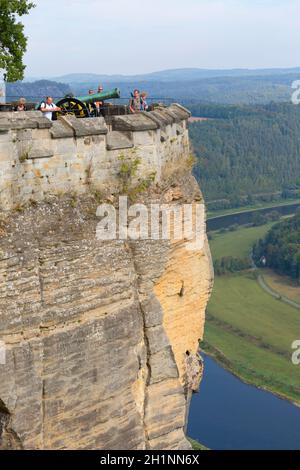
(261, 281)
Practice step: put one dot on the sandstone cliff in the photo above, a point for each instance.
(101, 336)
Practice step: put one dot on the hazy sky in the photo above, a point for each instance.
(138, 36)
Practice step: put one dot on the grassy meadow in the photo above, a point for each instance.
(238, 243)
(282, 284)
(248, 330)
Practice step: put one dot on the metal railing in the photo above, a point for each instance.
(112, 107)
(126, 99)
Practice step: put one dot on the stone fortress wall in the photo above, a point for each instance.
(40, 157)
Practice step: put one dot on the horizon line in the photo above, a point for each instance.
(213, 69)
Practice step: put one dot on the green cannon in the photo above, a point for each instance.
(83, 106)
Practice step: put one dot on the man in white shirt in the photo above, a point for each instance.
(48, 108)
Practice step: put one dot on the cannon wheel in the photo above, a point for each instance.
(73, 107)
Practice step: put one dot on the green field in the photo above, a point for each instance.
(238, 243)
(282, 284)
(248, 330)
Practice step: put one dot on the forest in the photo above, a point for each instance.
(247, 153)
(186, 86)
(190, 86)
(281, 248)
(36, 91)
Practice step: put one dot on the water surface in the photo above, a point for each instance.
(228, 414)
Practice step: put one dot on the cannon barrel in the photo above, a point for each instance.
(83, 106)
(105, 95)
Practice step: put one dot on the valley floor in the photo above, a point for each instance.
(247, 330)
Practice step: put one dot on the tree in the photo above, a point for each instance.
(250, 155)
(281, 247)
(258, 219)
(13, 42)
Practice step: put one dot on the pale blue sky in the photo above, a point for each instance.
(139, 36)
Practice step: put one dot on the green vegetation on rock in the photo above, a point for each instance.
(196, 445)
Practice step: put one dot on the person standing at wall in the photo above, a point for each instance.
(135, 102)
(144, 104)
(99, 104)
(21, 106)
(48, 108)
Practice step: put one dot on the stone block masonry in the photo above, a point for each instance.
(39, 157)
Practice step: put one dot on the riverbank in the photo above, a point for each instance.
(253, 208)
(229, 414)
(246, 376)
(196, 445)
(248, 331)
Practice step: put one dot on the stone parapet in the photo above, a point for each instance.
(39, 157)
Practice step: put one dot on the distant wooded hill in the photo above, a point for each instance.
(246, 151)
(37, 90)
(184, 74)
(227, 90)
(233, 86)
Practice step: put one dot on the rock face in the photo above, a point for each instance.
(101, 337)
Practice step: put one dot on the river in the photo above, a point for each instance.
(229, 414)
(245, 217)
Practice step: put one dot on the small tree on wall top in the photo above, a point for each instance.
(13, 42)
